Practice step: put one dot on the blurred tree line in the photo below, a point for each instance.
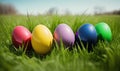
(98, 10)
(116, 12)
(10, 9)
(7, 9)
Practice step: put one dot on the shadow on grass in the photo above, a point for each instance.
(19, 52)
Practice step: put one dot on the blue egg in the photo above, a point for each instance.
(87, 34)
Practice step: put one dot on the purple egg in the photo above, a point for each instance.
(64, 32)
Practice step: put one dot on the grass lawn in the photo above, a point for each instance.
(104, 57)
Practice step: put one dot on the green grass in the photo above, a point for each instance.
(104, 57)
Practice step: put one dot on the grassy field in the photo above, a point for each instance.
(104, 57)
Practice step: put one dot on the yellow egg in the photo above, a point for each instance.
(42, 39)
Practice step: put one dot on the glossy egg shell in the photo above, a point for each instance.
(103, 31)
(87, 33)
(64, 32)
(42, 39)
(20, 36)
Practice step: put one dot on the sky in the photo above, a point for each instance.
(74, 6)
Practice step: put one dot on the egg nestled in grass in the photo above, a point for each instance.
(42, 39)
(65, 34)
(87, 35)
(103, 31)
(21, 36)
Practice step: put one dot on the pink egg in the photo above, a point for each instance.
(21, 36)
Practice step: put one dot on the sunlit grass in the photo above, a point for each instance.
(104, 57)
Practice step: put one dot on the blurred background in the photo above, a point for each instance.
(60, 7)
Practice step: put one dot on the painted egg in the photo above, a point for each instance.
(103, 31)
(64, 32)
(42, 39)
(87, 35)
(87, 32)
(21, 36)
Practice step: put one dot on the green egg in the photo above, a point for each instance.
(103, 31)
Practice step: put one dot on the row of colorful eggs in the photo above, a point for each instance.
(42, 39)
